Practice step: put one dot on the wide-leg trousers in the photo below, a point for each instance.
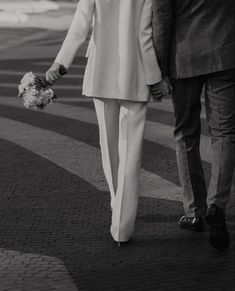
(121, 128)
(220, 112)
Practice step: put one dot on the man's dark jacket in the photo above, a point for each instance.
(194, 37)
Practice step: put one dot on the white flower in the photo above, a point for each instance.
(32, 91)
(21, 90)
(27, 105)
(47, 93)
(29, 99)
(28, 79)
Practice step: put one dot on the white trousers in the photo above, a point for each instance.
(121, 127)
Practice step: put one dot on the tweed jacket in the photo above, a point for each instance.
(121, 56)
(194, 37)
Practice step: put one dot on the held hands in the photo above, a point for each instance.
(55, 73)
(161, 89)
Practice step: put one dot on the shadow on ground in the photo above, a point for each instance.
(48, 211)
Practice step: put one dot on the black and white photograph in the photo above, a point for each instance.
(117, 145)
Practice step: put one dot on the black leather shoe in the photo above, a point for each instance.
(219, 236)
(192, 223)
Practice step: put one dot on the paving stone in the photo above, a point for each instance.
(32, 272)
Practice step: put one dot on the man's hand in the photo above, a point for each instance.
(55, 73)
(161, 89)
(168, 81)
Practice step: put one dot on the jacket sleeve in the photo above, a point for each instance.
(77, 33)
(151, 68)
(162, 32)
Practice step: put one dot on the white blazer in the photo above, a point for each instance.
(121, 57)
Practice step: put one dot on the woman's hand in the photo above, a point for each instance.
(55, 73)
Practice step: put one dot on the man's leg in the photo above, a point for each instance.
(131, 130)
(187, 108)
(220, 107)
(107, 111)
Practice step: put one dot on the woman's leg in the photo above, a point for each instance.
(107, 111)
(131, 130)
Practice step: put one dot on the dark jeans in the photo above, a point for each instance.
(220, 111)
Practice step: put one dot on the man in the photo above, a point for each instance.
(195, 46)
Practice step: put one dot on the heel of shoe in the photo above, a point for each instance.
(121, 243)
(219, 237)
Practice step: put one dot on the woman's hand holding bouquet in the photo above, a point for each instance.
(35, 91)
(55, 72)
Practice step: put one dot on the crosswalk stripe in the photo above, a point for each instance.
(165, 105)
(56, 87)
(155, 132)
(19, 41)
(73, 66)
(21, 73)
(79, 158)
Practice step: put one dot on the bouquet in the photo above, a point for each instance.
(35, 91)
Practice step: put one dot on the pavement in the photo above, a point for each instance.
(54, 210)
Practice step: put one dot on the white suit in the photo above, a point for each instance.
(121, 58)
(121, 64)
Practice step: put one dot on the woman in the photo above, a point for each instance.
(121, 71)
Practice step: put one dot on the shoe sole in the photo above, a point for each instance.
(219, 242)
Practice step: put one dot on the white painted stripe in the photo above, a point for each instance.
(165, 105)
(56, 87)
(77, 99)
(163, 135)
(18, 41)
(21, 73)
(73, 66)
(79, 158)
(155, 131)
